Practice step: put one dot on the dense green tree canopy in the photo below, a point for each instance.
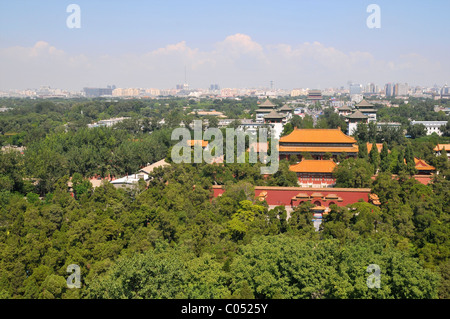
(354, 173)
(171, 239)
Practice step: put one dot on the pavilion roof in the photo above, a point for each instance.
(317, 136)
(344, 108)
(263, 111)
(274, 115)
(357, 115)
(364, 104)
(421, 165)
(267, 103)
(285, 107)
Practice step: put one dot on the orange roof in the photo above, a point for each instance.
(379, 147)
(193, 142)
(373, 196)
(264, 193)
(374, 199)
(421, 165)
(316, 195)
(319, 149)
(440, 147)
(317, 136)
(313, 166)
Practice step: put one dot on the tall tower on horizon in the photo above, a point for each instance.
(185, 84)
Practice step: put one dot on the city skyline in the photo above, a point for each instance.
(295, 44)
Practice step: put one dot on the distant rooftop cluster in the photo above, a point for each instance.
(356, 92)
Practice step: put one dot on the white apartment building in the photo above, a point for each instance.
(126, 92)
(154, 92)
(401, 89)
(299, 92)
(431, 126)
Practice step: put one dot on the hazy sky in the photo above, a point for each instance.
(246, 43)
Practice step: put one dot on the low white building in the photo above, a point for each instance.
(130, 180)
(108, 122)
(431, 126)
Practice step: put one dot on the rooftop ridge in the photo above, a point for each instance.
(305, 189)
(357, 115)
(317, 135)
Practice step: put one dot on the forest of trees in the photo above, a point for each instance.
(172, 239)
(172, 236)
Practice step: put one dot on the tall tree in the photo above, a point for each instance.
(445, 129)
(401, 165)
(372, 132)
(443, 164)
(287, 129)
(416, 130)
(362, 133)
(362, 151)
(385, 161)
(374, 157)
(296, 121)
(409, 158)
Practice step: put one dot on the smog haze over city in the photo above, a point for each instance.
(238, 44)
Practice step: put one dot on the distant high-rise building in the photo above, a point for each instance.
(389, 89)
(44, 90)
(355, 88)
(214, 87)
(97, 92)
(401, 89)
(445, 92)
(370, 88)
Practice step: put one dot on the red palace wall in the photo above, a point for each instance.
(424, 179)
(283, 195)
